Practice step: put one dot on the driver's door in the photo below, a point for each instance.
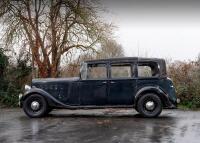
(93, 89)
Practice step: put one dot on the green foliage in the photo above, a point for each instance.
(12, 79)
(10, 96)
(3, 63)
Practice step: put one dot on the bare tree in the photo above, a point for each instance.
(51, 28)
(110, 49)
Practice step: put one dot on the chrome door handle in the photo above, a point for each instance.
(112, 82)
(104, 82)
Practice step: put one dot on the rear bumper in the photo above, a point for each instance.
(172, 105)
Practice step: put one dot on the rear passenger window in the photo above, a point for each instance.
(148, 70)
(144, 71)
(121, 71)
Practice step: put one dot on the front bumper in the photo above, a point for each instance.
(20, 100)
(26, 88)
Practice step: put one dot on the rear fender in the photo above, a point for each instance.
(156, 90)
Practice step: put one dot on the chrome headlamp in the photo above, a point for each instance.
(27, 87)
(20, 97)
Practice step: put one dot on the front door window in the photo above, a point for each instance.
(97, 71)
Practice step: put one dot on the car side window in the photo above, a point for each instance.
(97, 71)
(146, 70)
(121, 71)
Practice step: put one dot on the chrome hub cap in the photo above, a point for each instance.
(150, 105)
(35, 105)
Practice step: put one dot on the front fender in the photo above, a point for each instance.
(52, 101)
(154, 89)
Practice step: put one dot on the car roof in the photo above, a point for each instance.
(125, 59)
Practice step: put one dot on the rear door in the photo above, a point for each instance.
(122, 84)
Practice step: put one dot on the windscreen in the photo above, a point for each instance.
(83, 71)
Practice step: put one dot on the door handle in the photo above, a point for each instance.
(112, 82)
(104, 82)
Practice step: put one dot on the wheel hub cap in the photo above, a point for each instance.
(35, 105)
(150, 105)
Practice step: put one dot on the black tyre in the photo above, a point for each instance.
(35, 106)
(149, 105)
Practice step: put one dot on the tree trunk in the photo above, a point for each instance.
(47, 72)
(43, 72)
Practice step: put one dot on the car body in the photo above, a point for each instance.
(115, 82)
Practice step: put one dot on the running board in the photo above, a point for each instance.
(94, 107)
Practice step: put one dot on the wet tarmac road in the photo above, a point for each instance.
(100, 126)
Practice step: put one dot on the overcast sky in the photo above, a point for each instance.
(156, 28)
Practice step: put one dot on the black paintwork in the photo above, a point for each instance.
(78, 93)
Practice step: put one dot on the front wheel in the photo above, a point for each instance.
(149, 105)
(35, 106)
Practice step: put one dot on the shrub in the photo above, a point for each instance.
(12, 79)
(186, 77)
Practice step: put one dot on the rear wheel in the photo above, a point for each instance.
(35, 106)
(149, 105)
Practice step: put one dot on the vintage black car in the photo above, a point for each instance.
(141, 83)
